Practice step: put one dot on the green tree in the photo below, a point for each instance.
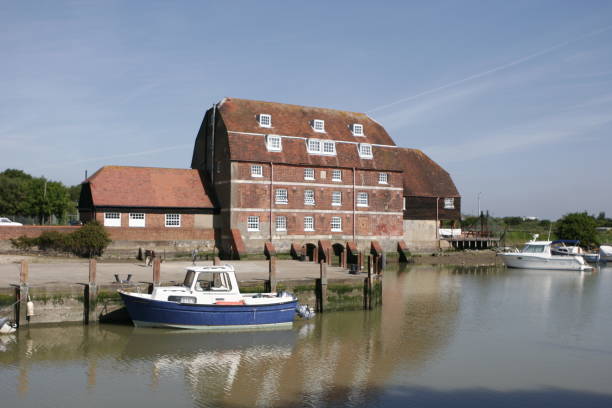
(580, 226)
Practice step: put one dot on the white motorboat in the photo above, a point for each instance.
(565, 247)
(538, 255)
(605, 253)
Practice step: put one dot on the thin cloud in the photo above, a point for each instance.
(493, 70)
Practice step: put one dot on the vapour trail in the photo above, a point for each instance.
(493, 70)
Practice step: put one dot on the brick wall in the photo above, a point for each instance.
(32, 231)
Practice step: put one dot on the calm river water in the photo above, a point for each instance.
(460, 336)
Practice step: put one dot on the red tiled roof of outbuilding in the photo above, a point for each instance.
(423, 177)
(127, 186)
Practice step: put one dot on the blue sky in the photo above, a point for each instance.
(514, 99)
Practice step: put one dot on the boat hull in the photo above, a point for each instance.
(605, 253)
(155, 313)
(561, 262)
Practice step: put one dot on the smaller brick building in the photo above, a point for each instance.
(149, 207)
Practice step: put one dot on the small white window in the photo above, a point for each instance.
(336, 224)
(383, 178)
(309, 197)
(281, 223)
(253, 223)
(336, 198)
(273, 143)
(449, 203)
(256, 170)
(318, 125)
(308, 223)
(112, 219)
(365, 151)
(337, 175)
(362, 199)
(357, 129)
(173, 220)
(265, 120)
(309, 174)
(281, 196)
(314, 146)
(329, 147)
(136, 220)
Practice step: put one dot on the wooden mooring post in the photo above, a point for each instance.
(272, 274)
(367, 288)
(321, 288)
(156, 271)
(21, 295)
(91, 294)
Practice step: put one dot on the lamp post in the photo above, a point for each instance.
(479, 194)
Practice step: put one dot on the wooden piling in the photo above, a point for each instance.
(272, 274)
(322, 288)
(21, 295)
(91, 294)
(156, 271)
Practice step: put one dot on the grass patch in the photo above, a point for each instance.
(6, 300)
(341, 289)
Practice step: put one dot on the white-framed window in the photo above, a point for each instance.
(449, 203)
(112, 219)
(173, 220)
(329, 147)
(281, 196)
(314, 146)
(273, 143)
(318, 125)
(362, 199)
(281, 223)
(336, 198)
(309, 197)
(336, 224)
(256, 170)
(365, 150)
(336, 175)
(136, 220)
(309, 174)
(265, 120)
(383, 178)
(308, 223)
(357, 129)
(252, 223)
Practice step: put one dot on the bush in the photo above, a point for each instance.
(52, 240)
(23, 243)
(580, 226)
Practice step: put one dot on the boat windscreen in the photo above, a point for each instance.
(189, 279)
(533, 249)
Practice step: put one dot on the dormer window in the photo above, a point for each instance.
(314, 146)
(317, 146)
(357, 129)
(273, 143)
(318, 125)
(365, 151)
(329, 147)
(265, 120)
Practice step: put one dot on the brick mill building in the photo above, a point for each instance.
(288, 174)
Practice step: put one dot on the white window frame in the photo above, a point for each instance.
(405, 201)
(336, 198)
(309, 174)
(173, 220)
(256, 170)
(328, 147)
(281, 196)
(357, 129)
(137, 220)
(313, 146)
(318, 125)
(309, 197)
(363, 199)
(253, 223)
(336, 224)
(365, 150)
(449, 203)
(112, 219)
(265, 120)
(336, 175)
(383, 178)
(274, 143)
(281, 223)
(309, 223)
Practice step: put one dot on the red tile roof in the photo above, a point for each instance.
(423, 177)
(126, 186)
(241, 115)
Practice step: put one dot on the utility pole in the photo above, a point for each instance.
(479, 194)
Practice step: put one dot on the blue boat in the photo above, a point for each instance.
(209, 299)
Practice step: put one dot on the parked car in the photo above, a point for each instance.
(75, 222)
(5, 222)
